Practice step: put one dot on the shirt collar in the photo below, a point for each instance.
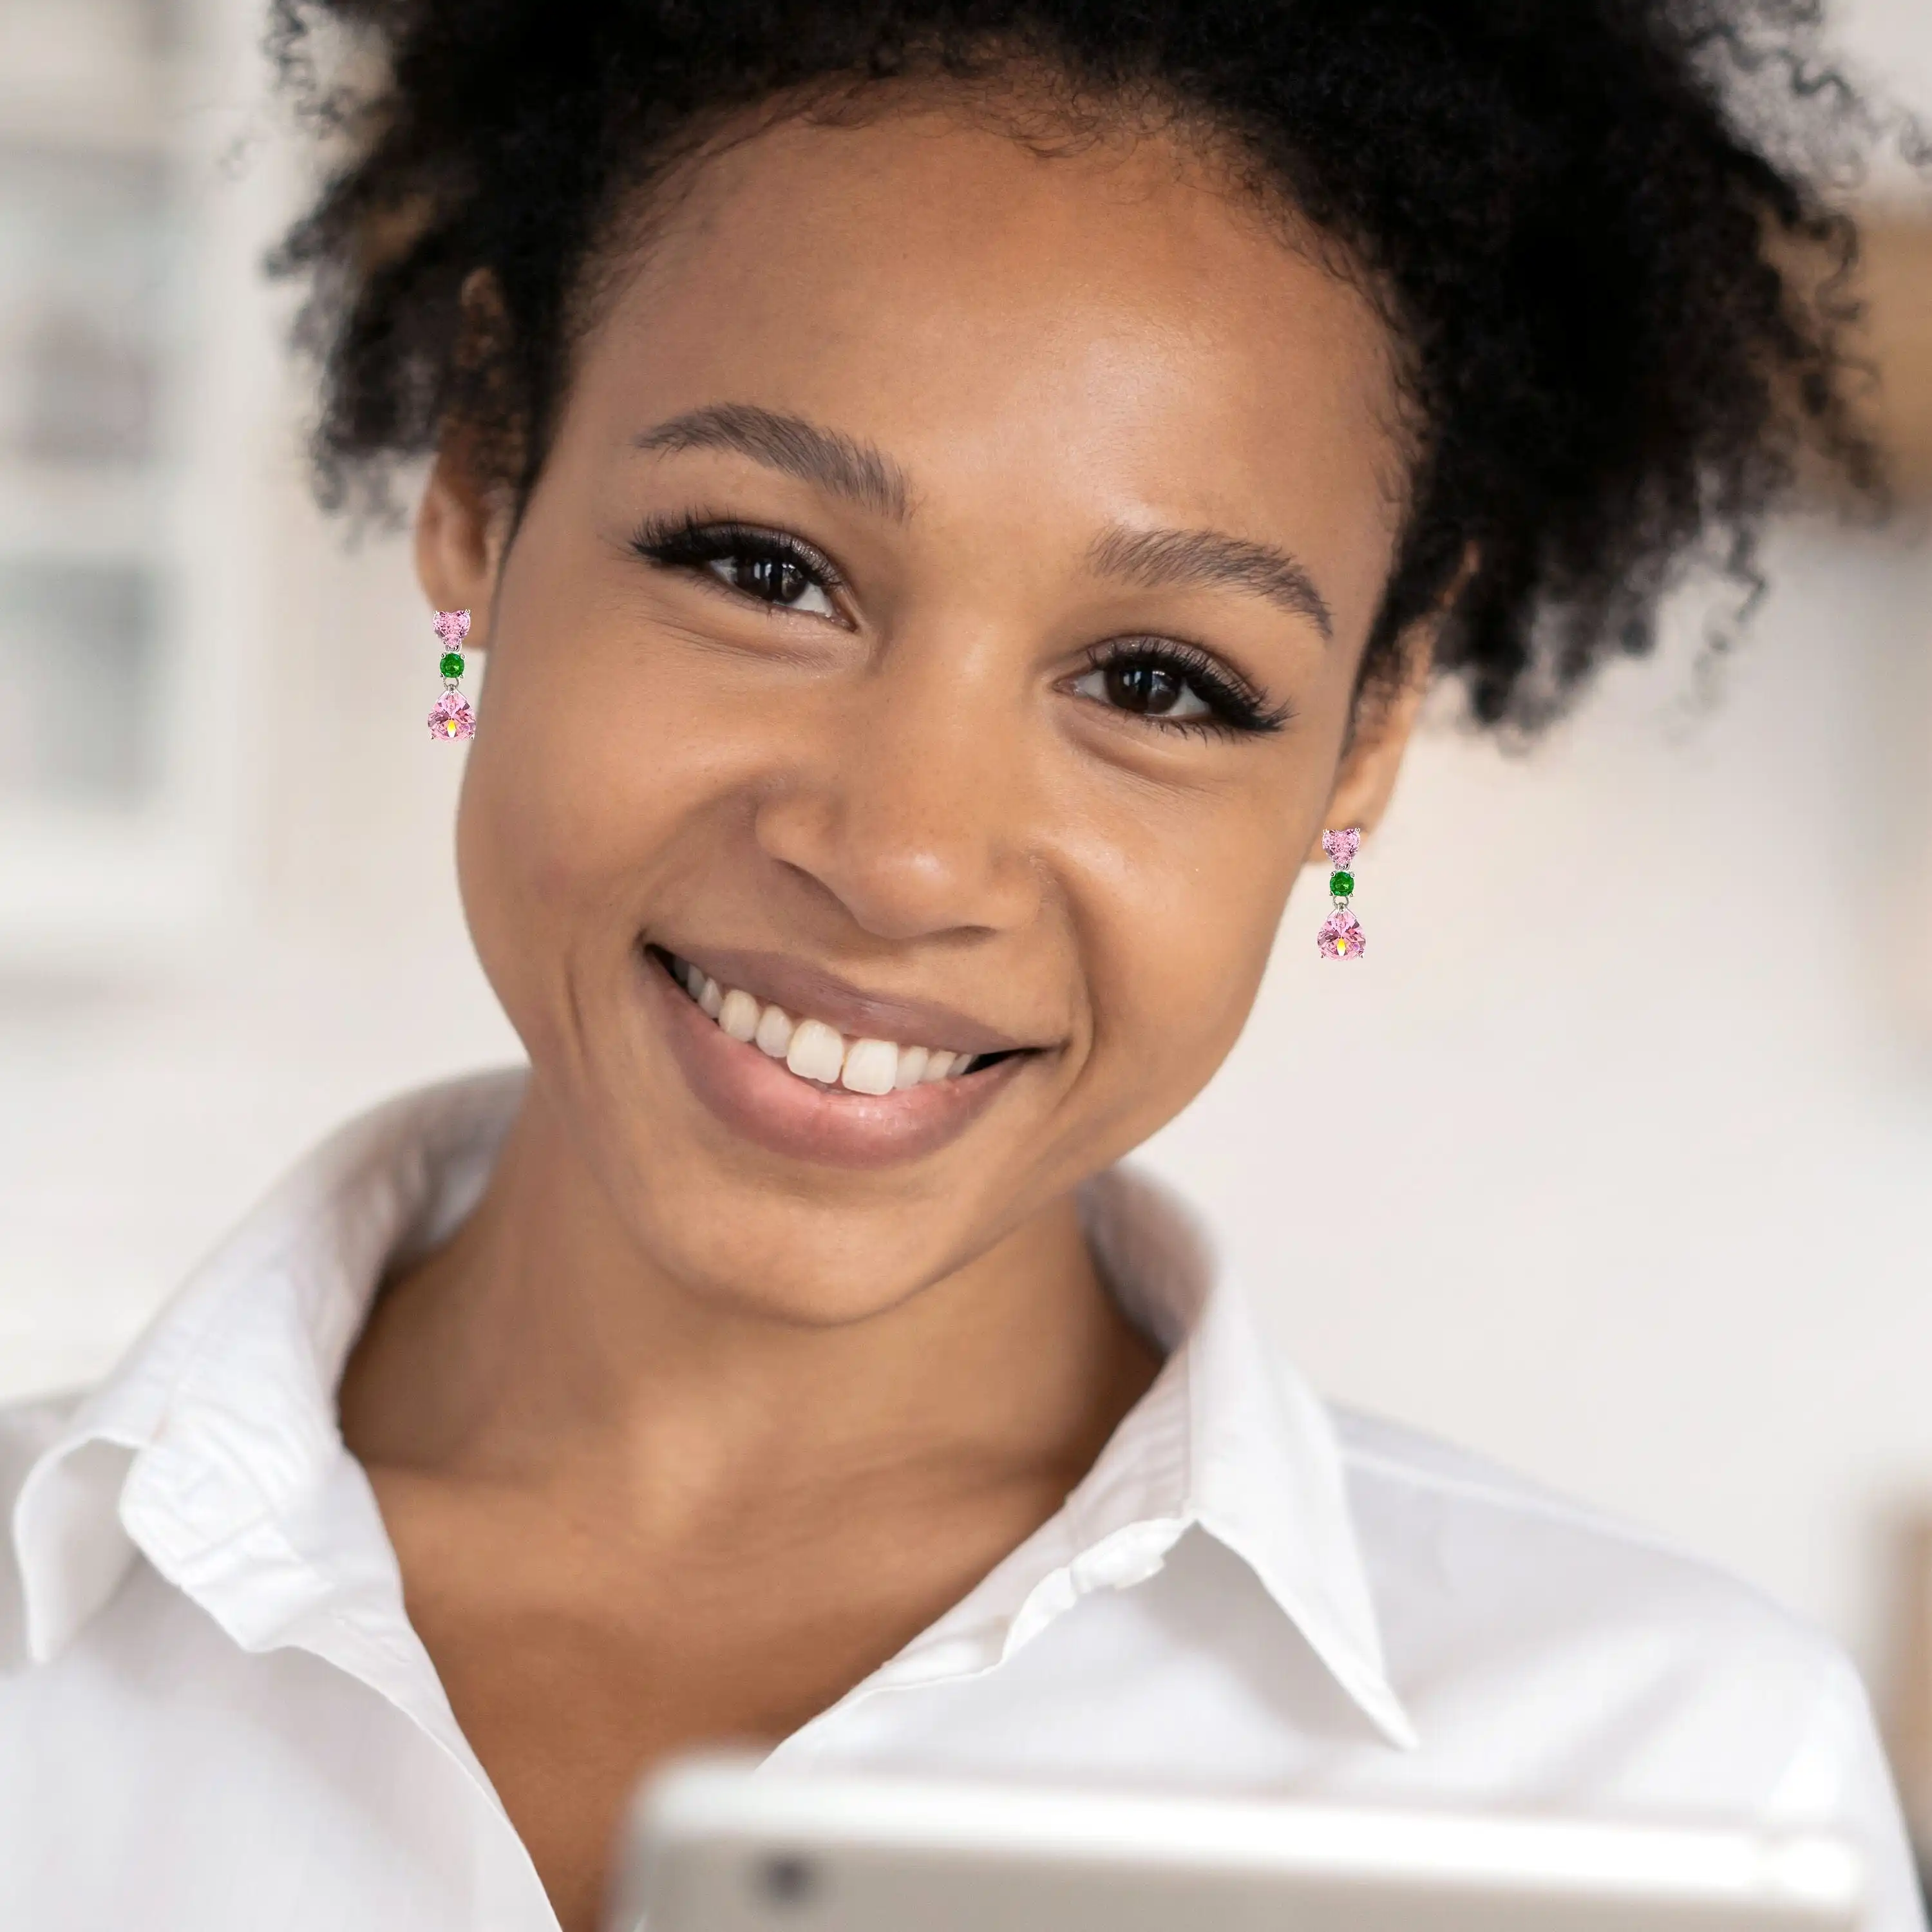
(214, 1449)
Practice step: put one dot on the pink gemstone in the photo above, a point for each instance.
(451, 717)
(1340, 938)
(1342, 846)
(452, 627)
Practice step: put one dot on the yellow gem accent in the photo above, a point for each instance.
(1341, 945)
(449, 725)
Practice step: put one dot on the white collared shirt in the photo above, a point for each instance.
(215, 1717)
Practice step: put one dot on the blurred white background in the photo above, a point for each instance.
(1612, 1158)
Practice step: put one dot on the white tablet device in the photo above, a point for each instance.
(715, 1846)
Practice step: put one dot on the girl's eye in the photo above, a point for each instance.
(1142, 685)
(780, 572)
(1177, 685)
(773, 580)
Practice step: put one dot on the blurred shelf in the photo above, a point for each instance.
(136, 125)
(76, 885)
(81, 513)
(96, 75)
(115, 823)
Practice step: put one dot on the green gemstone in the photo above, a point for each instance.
(1341, 884)
(452, 663)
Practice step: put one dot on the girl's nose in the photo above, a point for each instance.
(910, 811)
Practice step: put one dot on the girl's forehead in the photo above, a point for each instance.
(909, 202)
(934, 273)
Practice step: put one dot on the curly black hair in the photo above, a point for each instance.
(1603, 233)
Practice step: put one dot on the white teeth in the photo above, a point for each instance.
(810, 1048)
(816, 1051)
(774, 1032)
(871, 1066)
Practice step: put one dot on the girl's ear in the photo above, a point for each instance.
(464, 519)
(1367, 774)
(459, 536)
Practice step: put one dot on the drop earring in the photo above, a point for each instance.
(451, 716)
(1340, 938)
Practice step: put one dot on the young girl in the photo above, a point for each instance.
(962, 499)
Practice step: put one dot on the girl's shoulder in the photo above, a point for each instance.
(1470, 1562)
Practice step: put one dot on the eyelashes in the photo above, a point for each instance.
(1180, 686)
(769, 567)
(1167, 683)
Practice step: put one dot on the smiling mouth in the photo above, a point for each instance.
(813, 1050)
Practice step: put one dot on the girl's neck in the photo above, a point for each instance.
(540, 1348)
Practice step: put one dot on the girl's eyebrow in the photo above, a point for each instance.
(1153, 558)
(840, 464)
(866, 475)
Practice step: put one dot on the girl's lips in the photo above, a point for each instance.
(773, 978)
(758, 1097)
